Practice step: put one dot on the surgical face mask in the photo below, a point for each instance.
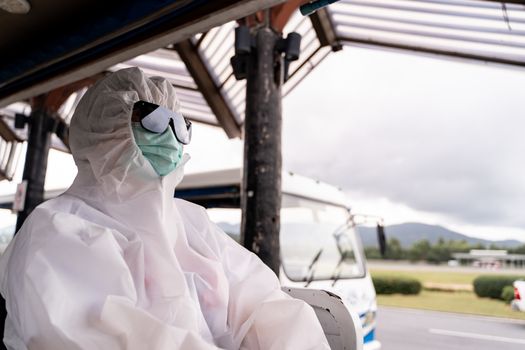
(163, 151)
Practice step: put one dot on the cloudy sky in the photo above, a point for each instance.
(410, 138)
(427, 139)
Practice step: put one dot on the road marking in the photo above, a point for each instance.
(476, 336)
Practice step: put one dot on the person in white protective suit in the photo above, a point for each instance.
(117, 263)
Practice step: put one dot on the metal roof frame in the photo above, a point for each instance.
(190, 55)
(478, 30)
(108, 51)
(198, 65)
(455, 23)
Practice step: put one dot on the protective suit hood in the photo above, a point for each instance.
(101, 139)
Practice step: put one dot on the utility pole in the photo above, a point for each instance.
(261, 190)
(262, 57)
(41, 126)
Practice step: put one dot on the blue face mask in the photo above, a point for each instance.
(163, 151)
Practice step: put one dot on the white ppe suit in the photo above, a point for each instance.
(117, 263)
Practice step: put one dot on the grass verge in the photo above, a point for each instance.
(460, 302)
(430, 276)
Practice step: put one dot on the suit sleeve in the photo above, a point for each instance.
(261, 315)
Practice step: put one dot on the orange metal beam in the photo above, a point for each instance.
(279, 15)
(52, 100)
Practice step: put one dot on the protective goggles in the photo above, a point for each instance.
(156, 119)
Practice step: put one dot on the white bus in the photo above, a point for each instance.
(320, 248)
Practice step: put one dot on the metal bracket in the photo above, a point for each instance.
(290, 47)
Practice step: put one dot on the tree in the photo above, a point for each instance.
(440, 252)
(518, 250)
(372, 253)
(419, 250)
(394, 251)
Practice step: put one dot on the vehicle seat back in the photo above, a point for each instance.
(341, 326)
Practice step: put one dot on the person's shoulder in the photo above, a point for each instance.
(47, 212)
(195, 217)
(61, 203)
(189, 208)
(52, 221)
(44, 227)
(42, 215)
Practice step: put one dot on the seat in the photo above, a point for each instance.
(341, 326)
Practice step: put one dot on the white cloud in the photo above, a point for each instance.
(439, 137)
(210, 149)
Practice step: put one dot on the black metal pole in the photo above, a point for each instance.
(35, 167)
(261, 190)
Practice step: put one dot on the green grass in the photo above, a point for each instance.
(461, 302)
(429, 276)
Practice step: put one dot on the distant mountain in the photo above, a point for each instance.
(408, 233)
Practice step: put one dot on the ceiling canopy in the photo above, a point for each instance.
(191, 43)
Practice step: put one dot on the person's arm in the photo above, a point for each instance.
(260, 314)
(68, 286)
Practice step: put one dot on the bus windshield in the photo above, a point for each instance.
(317, 241)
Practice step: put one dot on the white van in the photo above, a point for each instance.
(319, 245)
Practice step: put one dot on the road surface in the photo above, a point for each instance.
(407, 329)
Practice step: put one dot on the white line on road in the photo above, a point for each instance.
(476, 336)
